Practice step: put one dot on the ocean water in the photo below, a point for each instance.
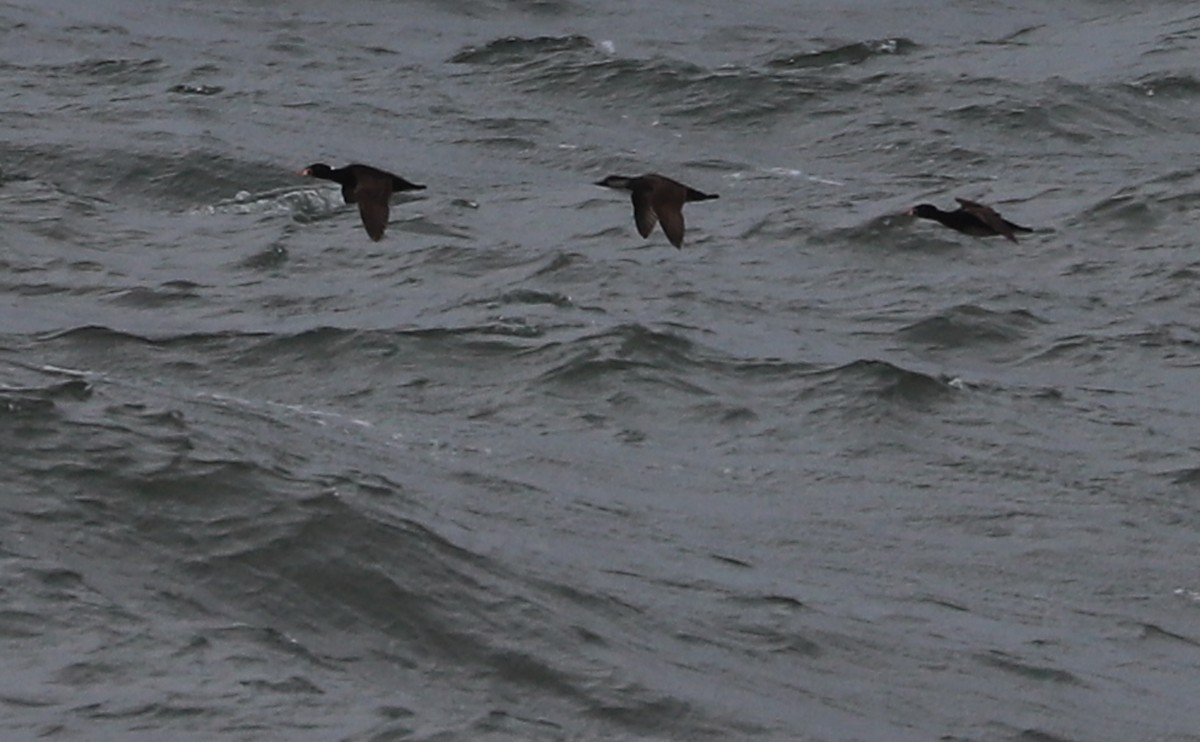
(515, 473)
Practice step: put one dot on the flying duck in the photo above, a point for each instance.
(370, 188)
(657, 198)
(970, 218)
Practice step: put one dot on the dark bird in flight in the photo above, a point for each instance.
(657, 199)
(970, 218)
(366, 186)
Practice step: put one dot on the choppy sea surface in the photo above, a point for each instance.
(514, 473)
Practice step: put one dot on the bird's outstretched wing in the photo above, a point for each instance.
(988, 216)
(372, 195)
(670, 215)
(643, 213)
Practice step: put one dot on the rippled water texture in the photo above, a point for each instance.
(515, 473)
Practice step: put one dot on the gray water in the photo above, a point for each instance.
(514, 473)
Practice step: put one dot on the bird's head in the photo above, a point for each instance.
(317, 170)
(925, 211)
(615, 181)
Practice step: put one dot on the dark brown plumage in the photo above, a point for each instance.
(970, 218)
(657, 199)
(366, 186)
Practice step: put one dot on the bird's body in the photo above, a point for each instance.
(370, 188)
(970, 218)
(657, 200)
